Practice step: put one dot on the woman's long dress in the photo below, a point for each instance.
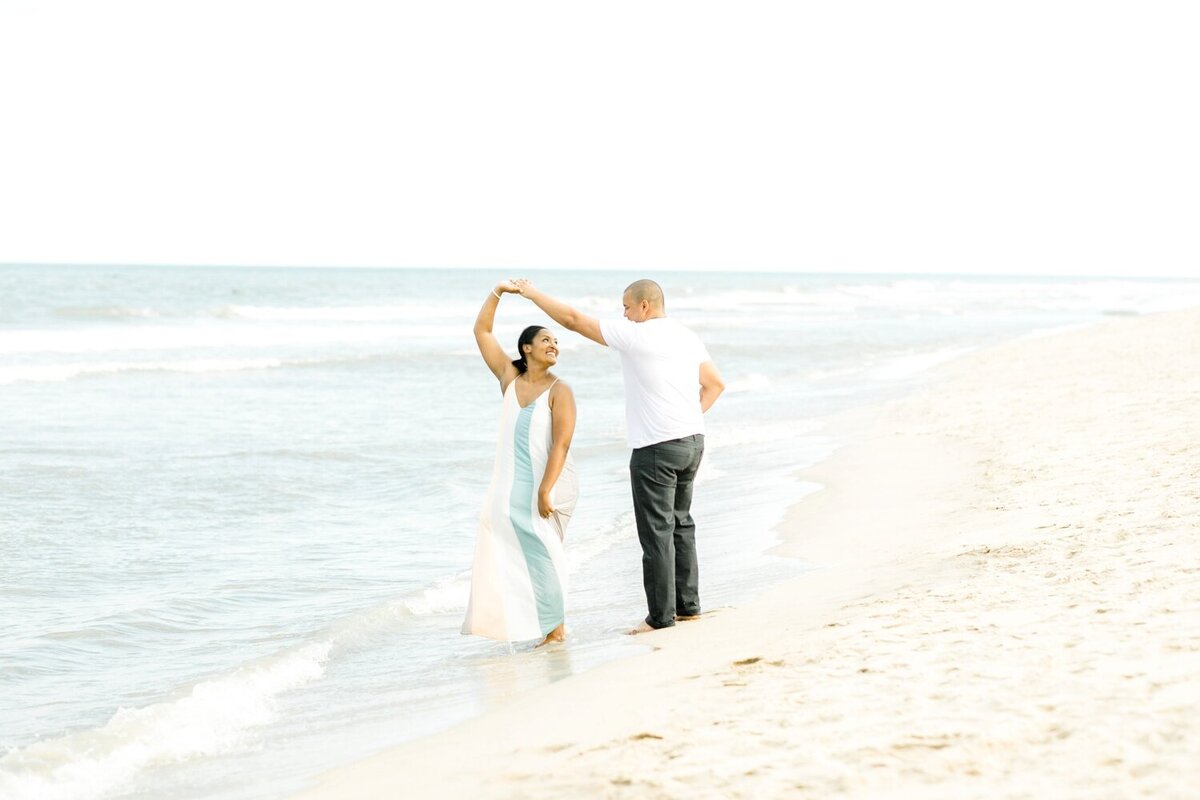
(518, 579)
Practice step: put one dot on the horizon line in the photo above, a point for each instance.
(759, 270)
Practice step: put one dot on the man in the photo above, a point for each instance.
(670, 382)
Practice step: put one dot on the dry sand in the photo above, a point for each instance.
(1009, 606)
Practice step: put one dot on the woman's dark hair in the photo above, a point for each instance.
(525, 338)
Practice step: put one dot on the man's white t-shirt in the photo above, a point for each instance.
(661, 360)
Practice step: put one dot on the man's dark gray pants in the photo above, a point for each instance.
(662, 476)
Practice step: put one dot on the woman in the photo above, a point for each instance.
(518, 580)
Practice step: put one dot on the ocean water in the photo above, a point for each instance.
(237, 506)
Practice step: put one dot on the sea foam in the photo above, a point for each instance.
(216, 716)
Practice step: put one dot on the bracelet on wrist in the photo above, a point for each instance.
(494, 292)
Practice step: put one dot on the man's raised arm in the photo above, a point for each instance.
(570, 318)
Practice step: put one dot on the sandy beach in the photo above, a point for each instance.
(1007, 605)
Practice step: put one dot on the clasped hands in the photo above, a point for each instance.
(514, 286)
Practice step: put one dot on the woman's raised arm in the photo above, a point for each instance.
(493, 354)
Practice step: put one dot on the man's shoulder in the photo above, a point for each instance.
(657, 332)
(618, 333)
(665, 325)
(686, 343)
(676, 330)
(618, 325)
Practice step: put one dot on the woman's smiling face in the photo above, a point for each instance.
(544, 348)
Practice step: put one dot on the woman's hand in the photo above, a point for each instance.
(506, 287)
(521, 285)
(544, 506)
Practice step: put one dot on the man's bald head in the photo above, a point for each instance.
(643, 300)
(646, 289)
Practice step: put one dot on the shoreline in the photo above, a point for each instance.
(961, 540)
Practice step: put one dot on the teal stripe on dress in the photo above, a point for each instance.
(546, 589)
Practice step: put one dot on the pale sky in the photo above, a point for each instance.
(964, 137)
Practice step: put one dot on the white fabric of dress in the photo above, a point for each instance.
(518, 577)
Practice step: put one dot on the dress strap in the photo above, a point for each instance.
(546, 392)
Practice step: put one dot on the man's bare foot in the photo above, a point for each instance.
(643, 627)
(687, 617)
(559, 634)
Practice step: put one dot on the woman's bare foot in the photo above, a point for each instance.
(559, 634)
